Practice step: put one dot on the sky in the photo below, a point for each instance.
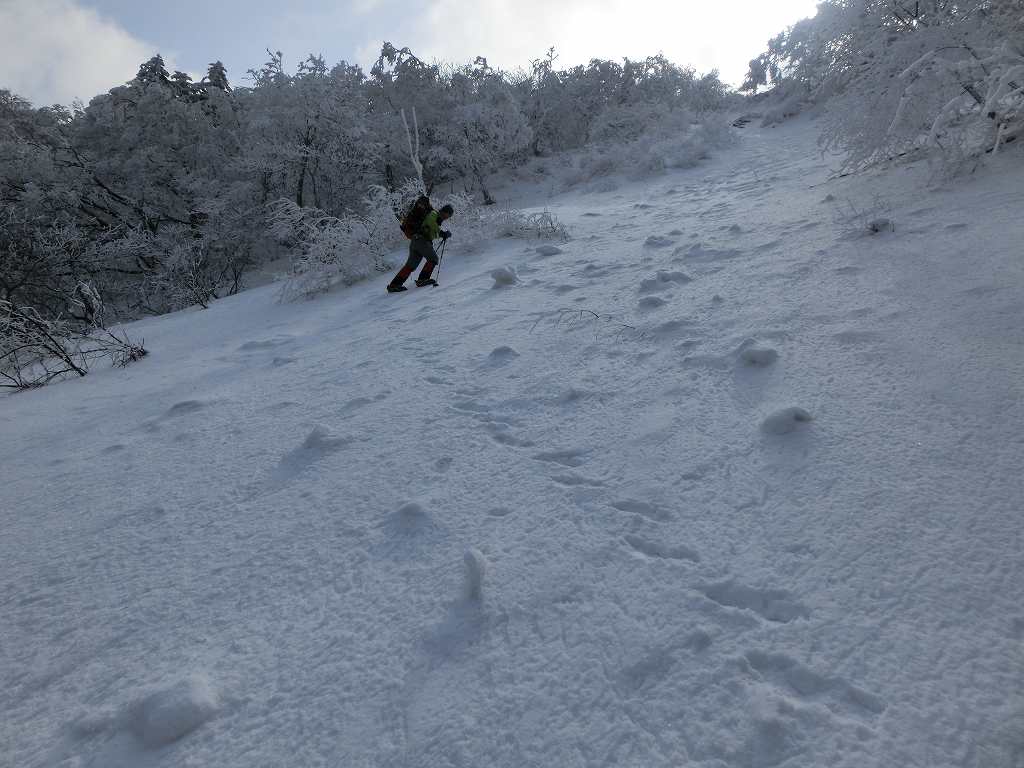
(54, 51)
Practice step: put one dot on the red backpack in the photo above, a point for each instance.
(413, 220)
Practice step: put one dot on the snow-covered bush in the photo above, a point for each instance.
(861, 218)
(902, 78)
(536, 225)
(35, 350)
(666, 140)
(341, 250)
(328, 250)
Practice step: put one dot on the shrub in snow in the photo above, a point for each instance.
(857, 219)
(516, 223)
(35, 350)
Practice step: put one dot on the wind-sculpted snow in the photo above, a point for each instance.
(750, 497)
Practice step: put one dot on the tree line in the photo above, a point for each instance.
(164, 192)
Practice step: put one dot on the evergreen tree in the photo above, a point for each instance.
(153, 71)
(217, 76)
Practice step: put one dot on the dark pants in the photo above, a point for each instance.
(419, 249)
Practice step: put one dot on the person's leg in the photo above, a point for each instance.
(408, 268)
(427, 251)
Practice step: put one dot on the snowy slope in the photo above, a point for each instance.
(458, 527)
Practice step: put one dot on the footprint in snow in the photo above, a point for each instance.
(572, 457)
(698, 253)
(571, 479)
(673, 329)
(795, 678)
(642, 508)
(663, 280)
(262, 344)
(661, 550)
(775, 605)
(500, 434)
(857, 337)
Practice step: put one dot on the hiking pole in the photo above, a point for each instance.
(440, 258)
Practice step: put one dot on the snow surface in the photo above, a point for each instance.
(566, 523)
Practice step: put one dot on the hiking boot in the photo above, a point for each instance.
(425, 281)
(392, 288)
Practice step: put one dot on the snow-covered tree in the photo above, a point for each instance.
(905, 76)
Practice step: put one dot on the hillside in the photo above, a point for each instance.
(564, 522)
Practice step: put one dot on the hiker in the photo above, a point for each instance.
(421, 246)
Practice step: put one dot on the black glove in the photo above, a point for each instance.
(445, 234)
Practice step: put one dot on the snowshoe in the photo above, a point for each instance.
(396, 288)
(425, 281)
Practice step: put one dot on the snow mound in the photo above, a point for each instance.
(758, 356)
(183, 408)
(548, 250)
(504, 277)
(319, 442)
(411, 518)
(318, 445)
(651, 302)
(476, 569)
(501, 356)
(172, 713)
(785, 420)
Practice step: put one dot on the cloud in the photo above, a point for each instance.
(54, 51)
(511, 33)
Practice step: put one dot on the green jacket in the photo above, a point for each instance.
(431, 228)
